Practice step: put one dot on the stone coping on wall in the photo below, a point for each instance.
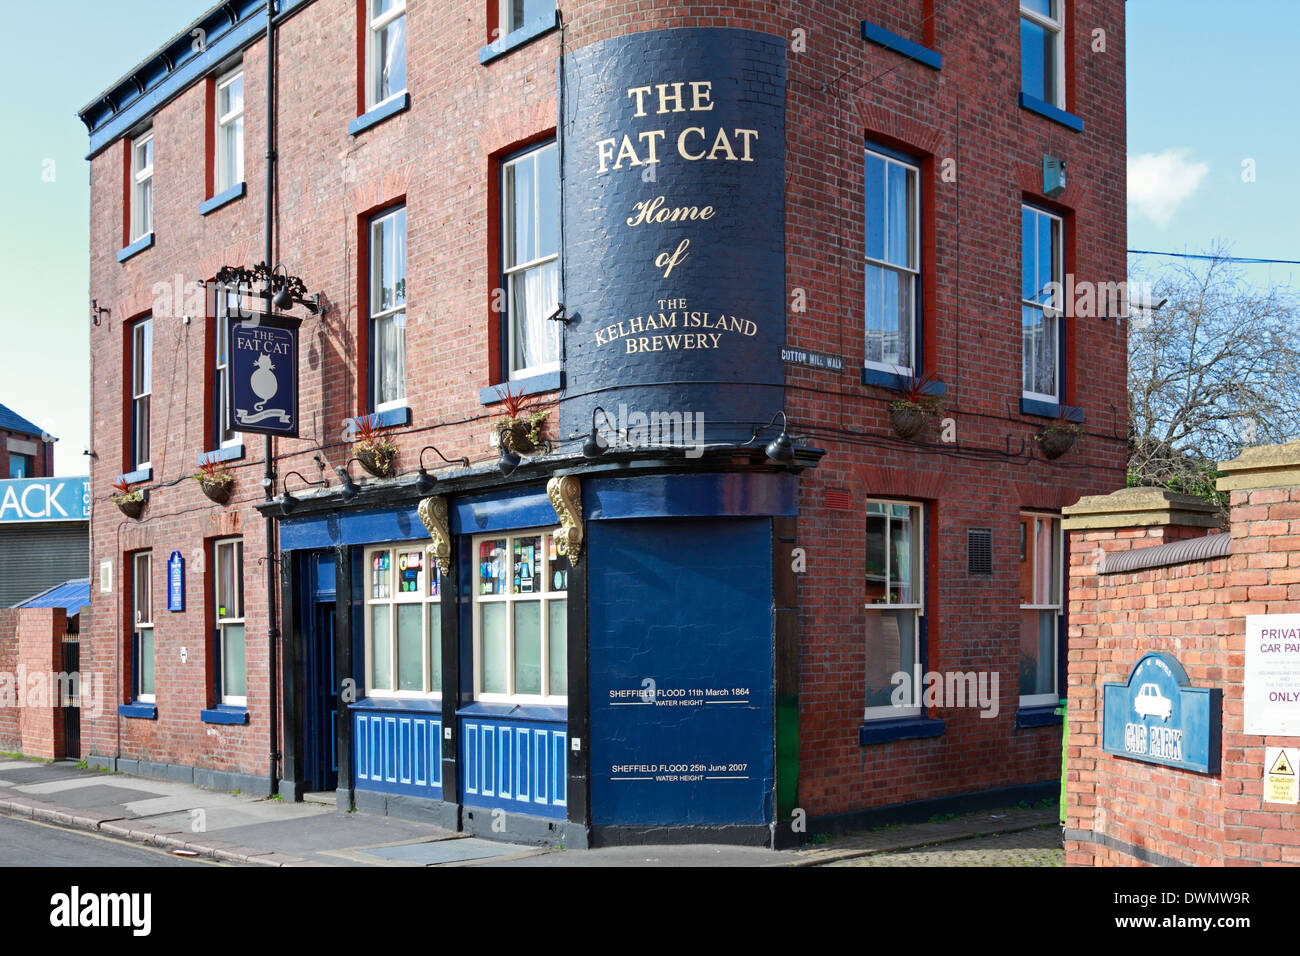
(1204, 548)
(1268, 466)
(1139, 507)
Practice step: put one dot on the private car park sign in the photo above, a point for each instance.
(1158, 717)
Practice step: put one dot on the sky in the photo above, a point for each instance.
(1210, 87)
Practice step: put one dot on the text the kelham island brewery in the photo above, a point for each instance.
(672, 323)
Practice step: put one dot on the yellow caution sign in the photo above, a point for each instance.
(1281, 783)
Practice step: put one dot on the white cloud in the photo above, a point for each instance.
(1158, 183)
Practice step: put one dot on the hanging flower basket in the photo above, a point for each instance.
(1058, 438)
(130, 503)
(376, 453)
(215, 482)
(520, 430)
(909, 415)
(907, 418)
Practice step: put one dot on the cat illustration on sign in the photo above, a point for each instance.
(264, 382)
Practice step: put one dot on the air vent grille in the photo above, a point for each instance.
(979, 550)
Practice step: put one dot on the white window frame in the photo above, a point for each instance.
(422, 598)
(1057, 608)
(545, 597)
(397, 312)
(225, 178)
(227, 312)
(917, 606)
(522, 268)
(141, 397)
(141, 175)
(236, 618)
(1056, 26)
(914, 254)
(503, 18)
(375, 55)
(139, 623)
(1051, 312)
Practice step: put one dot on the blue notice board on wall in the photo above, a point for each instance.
(1158, 717)
(176, 582)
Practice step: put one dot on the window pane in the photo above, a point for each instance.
(1045, 359)
(534, 296)
(381, 636)
(388, 258)
(142, 378)
(874, 195)
(231, 97)
(876, 558)
(527, 578)
(521, 208)
(889, 316)
(1045, 7)
(390, 57)
(225, 581)
(381, 568)
(380, 7)
(143, 589)
(875, 321)
(1047, 261)
(142, 423)
(390, 358)
(528, 647)
(891, 648)
(1035, 60)
(902, 572)
(435, 647)
(410, 647)
(146, 661)
(557, 646)
(410, 572)
(231, 163)
(144, 206)
(491, 557)
(548, 202)
(559, 566)
(1028, 254)
(492, 627)
(1037, 652)
(233, 682)
(900, 221)
(898, 347)
(1031, 327)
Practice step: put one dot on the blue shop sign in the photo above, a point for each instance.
(264, 375)
(176, 582)
(44, 499)
(1158, 717)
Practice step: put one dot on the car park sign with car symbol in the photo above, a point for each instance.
(1158, 717)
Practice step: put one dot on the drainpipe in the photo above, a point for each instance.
(273, 629)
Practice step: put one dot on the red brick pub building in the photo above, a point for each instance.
(695, 591)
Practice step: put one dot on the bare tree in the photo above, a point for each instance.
(1212, 372)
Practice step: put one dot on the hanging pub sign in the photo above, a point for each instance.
(264, 375)
(1158, 717)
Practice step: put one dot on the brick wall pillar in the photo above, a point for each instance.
(40, 655)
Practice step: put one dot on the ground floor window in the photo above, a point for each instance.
(228, 559)
(142, 625)
(403, 622)
(1040, 607)
(521, 634)
(894, 588)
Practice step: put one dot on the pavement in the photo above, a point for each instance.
(188, 821)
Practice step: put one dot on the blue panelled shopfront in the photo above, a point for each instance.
(589, 659)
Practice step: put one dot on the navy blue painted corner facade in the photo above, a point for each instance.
(892, 41)
(676, 313)
(681, 665)
(690, 496)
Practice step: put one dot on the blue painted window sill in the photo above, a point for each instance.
(135, 477)
(138, 709)
(135, 248)
(424, 705)
(542, 712)
(533, 385)
(1034, 406)
(904, 728)
(233, 453)
(222, 198)
(1040, 715)
(1035, 105)
(225, 715)
(390, 107)
(892, 41)
(389, 418)
(514, 40)
(897, 381)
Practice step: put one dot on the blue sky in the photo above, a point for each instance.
(1208, 88)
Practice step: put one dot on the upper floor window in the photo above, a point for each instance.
(521, 622)
(230, 131)
(893, 265)
(1040, 304)
(21, 466)
(385, 51)
(403, 622)
(1040, 607)
(895, 605)
(388, 310)
(224, 434)
(142, 625)
(228, 558)
(530, 231)
(141, 392)
(142, 186)
(1042, 50)
(515, 14)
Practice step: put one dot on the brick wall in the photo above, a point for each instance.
(440, 158)
(31, 653)
(42, 461)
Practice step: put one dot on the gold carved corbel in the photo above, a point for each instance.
(433, 514)
(566, 498)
